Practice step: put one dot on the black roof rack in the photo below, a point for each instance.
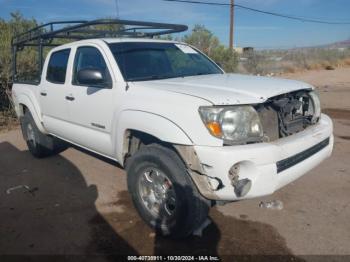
(44, 35)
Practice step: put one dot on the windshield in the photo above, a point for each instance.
(140, 61)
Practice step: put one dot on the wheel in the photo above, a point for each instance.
(163, 192)
(39, 144)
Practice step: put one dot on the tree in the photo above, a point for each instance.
(26, 60)
(164, 37)
(204, 40)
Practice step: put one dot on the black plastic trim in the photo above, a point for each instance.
(293, 160)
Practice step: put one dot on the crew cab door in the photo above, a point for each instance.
(91, 105)
(53, 90)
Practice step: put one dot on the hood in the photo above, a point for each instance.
(227, 89)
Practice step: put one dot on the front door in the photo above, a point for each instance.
(92, 105)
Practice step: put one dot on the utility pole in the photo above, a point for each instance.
(117, 9)
(232, 16)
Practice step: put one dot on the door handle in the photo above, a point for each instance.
(70, 98)
(43, 93)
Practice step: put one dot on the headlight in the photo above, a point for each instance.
(316, 107)
(235, 124)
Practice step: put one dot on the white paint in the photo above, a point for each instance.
(186, 49)
(168, 110)
(230, 89)
(262, 159)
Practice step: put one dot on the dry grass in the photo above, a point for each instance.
(344, 63)
(8, 121)
(293, 61)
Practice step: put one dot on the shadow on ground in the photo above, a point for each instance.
(224, 237)
(58, 216)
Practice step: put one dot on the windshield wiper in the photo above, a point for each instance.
(198, 74)
(159, 77)
(152, 77)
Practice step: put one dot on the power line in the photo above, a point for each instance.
(197, 2)
(302, 19)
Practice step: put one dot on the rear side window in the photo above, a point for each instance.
(57, 68)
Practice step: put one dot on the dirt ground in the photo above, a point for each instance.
(78, 205)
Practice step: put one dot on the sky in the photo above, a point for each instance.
(251, 29)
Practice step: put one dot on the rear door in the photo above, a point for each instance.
(92, 106)
(53, 91)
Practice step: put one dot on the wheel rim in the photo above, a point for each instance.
(31, 134)
(157, 193)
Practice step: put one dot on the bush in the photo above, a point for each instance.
(26, 62)
(291, 61)
(204, 40)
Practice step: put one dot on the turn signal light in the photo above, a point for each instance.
(215, 129)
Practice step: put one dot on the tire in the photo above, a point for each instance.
(175, 219)
(39, 144)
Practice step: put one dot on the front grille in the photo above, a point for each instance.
(293, 160)
(286, 114)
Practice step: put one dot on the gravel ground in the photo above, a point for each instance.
(78, 204)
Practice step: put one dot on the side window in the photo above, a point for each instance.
(57, 68)
(88, 57)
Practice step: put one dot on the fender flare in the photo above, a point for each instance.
(34, 108)
(153, 124)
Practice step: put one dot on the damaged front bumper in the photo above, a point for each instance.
(268, 166)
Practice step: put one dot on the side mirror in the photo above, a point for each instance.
(90, 77)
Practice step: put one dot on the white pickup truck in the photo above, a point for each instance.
(188, 134)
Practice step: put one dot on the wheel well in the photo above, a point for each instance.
(23, 109)
(135, 139)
